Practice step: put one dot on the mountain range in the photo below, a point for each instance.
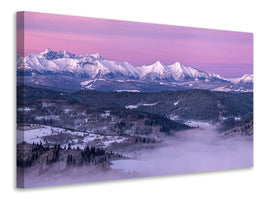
(64, 70)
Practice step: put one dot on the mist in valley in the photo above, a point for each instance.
(197, 150)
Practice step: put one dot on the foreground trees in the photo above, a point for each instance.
(29, 155)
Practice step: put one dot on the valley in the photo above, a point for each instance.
(85, 132)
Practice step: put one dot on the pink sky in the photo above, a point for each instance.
(227, 53)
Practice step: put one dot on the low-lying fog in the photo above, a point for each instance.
(192, 151)
(187, 152)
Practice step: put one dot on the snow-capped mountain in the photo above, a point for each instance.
(156, 71)
(95, 66)
(90, 66)
(175, 72)
(93, 71)
(247, 78)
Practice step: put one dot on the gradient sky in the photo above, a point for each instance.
(227, 53)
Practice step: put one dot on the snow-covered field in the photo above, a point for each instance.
(34, 133)
(40, 133)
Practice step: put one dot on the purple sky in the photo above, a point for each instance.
(227, 53)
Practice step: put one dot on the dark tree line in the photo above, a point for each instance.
(28, 160)
(72, 156)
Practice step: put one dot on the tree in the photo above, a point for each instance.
(69, 146)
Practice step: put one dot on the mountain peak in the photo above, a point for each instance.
(46, 51)
(96, 55)
(176, 64)
(247, 78)
(49, 54)
(158, 66)
(95, 66)
(158, 63)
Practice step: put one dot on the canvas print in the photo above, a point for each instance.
(101, 100)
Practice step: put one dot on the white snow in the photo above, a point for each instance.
(47, 117)
(98, 68)
(67, 110)
(132, 106)
(87, 82)
(112, 139)
(45, 104)
(127, 91)
(106, 114)
(120, 81)
(200, 124)
(223, 89)
(26, 109)
(149, 104)
(92, 65)
(247, 78)
(35, 133)
(176, 102)
(162, 83)
(141, 104)
(156, 70)
(174, 117)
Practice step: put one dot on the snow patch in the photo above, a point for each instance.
(67, 110)
(141, 104)
(37, 133)
(176, 102)
(25, 109)
(132, 106)
(127, 91)
(199, 124)
(149, 104)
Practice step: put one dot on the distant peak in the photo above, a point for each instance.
(46, 51)
(96, 55)
(246, 78)
(126, 63)
(63, 52)
(247, 75)
(51, 55)
(158, 62)
(176, 64)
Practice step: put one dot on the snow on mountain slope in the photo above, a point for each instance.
(154, 71)
(175, 72)
(180, 72)
(91, 66)
(95, 66)
(93, 71)
(247, 78)
(131, 69)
